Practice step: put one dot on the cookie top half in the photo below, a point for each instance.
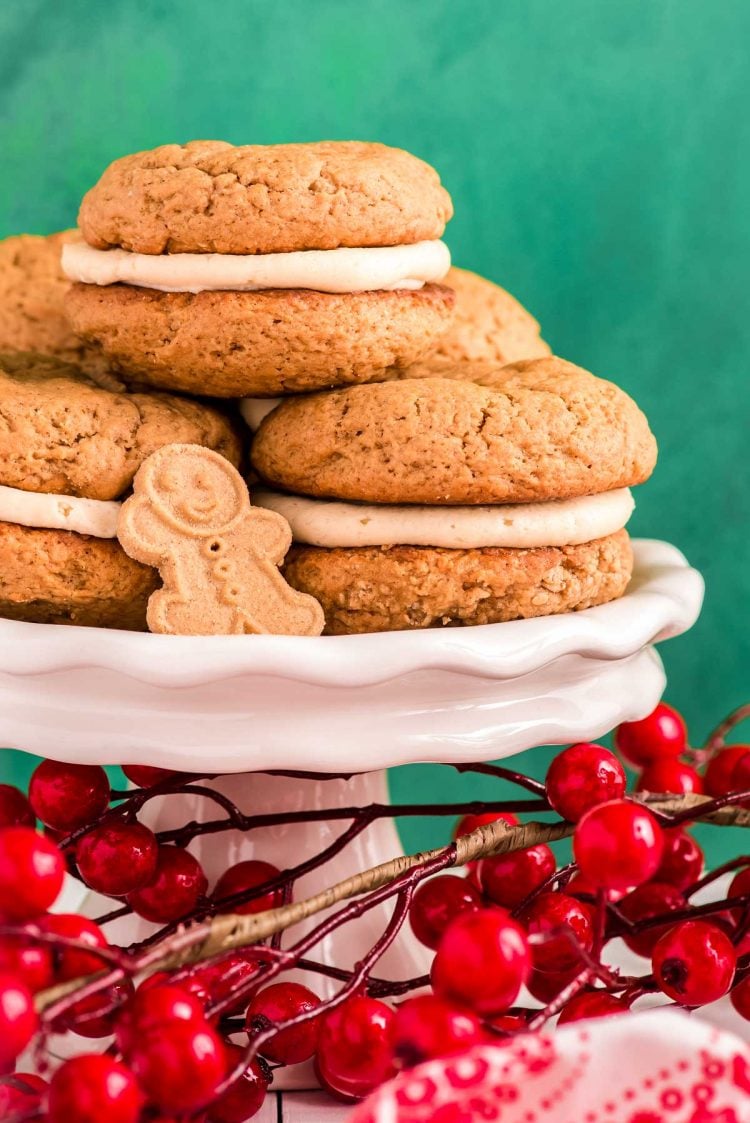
(531, 431)
(62, 433)
(212, 197)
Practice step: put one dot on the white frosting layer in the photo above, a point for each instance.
(59, 512)
(341, 270)
(254, 410)
(562, 522)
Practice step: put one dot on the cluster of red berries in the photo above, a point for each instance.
(514, 921)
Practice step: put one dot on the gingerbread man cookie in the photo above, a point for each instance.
(190, 517)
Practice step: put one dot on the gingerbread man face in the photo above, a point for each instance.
(190, 517)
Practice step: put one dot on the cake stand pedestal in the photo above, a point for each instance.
(246, 706)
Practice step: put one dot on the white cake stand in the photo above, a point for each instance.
(245, 705)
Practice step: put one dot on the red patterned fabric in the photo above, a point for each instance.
(654, 1067)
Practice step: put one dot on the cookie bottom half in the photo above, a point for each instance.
(58, 577)
(239, 344)
(383, 589)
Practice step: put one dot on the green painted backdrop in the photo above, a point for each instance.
(599, 159)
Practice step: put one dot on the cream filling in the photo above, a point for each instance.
(254, 410)
(561, 522)
(341, 270)
(97, 517)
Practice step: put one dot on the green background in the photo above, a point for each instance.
(599, 159)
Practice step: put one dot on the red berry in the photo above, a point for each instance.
(580, 886)
(219, 980)
(618, 845)
(15, 809)
(68, 796)
(242, 878)
(581, 777)
(154, 1008)
(436, 902)
(567, 927)
(428, 1026)
(547, 985)
(718, 777)
(28, 960)
(20, 1094)
(592, 1004)
(71, 962)
(96, 1016)
(117, 858)
(660, 734)
(681, 860)
(739, 887)
(694, 963)
(508, 879)
(669, 775)
(653, 898)
(31, 873)
(145, 775)
(245, 1097)
(181, 1069)
(740, 998)
(355, 1052)
(482, 961)
(740, 778)
(509, 1024)
(469, 823)
(18, 1019)
(278, 1003)
(178, 885)
(91, 1089)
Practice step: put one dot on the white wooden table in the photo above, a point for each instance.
(302, 1107)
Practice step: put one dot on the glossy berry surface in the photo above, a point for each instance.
(20, 1093)
(740, 998)
(181, 1069)
(718, 777)
(547, 985)
(94, 1089)
(355, 1052)
(740, 887)
(669, 776)
(437, 902)
(661, 734)
(565, 926)
(581, 777)
(482, 961)
(469, 823)
(508, 879)
(244, 1098)
(15, 809)
(96, 1016)
(651, 899)
(117, 858)
(68, 796)
(72, 962)
(740, 778)
(243, 878)
(145, 775)
(155, 1008)
(217, 981)
(591, 1004)
(28, 960)
(428, 1026)
(681, 860)
(178, 885)
(18, 1019)
(31, 873)
(694, 963)
(618, 845)
(278, 1003)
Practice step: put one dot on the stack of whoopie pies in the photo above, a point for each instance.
(437, 465)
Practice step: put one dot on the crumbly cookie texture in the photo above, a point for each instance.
(62, 433)
(56, 577)
(32, 296)
(238, 344)
(384, 589)
(546, 430)
(212, 197)
(489, 325)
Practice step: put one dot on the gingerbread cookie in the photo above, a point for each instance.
(218, 557)
(69, 450)
(442, 502)
(262, 270)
